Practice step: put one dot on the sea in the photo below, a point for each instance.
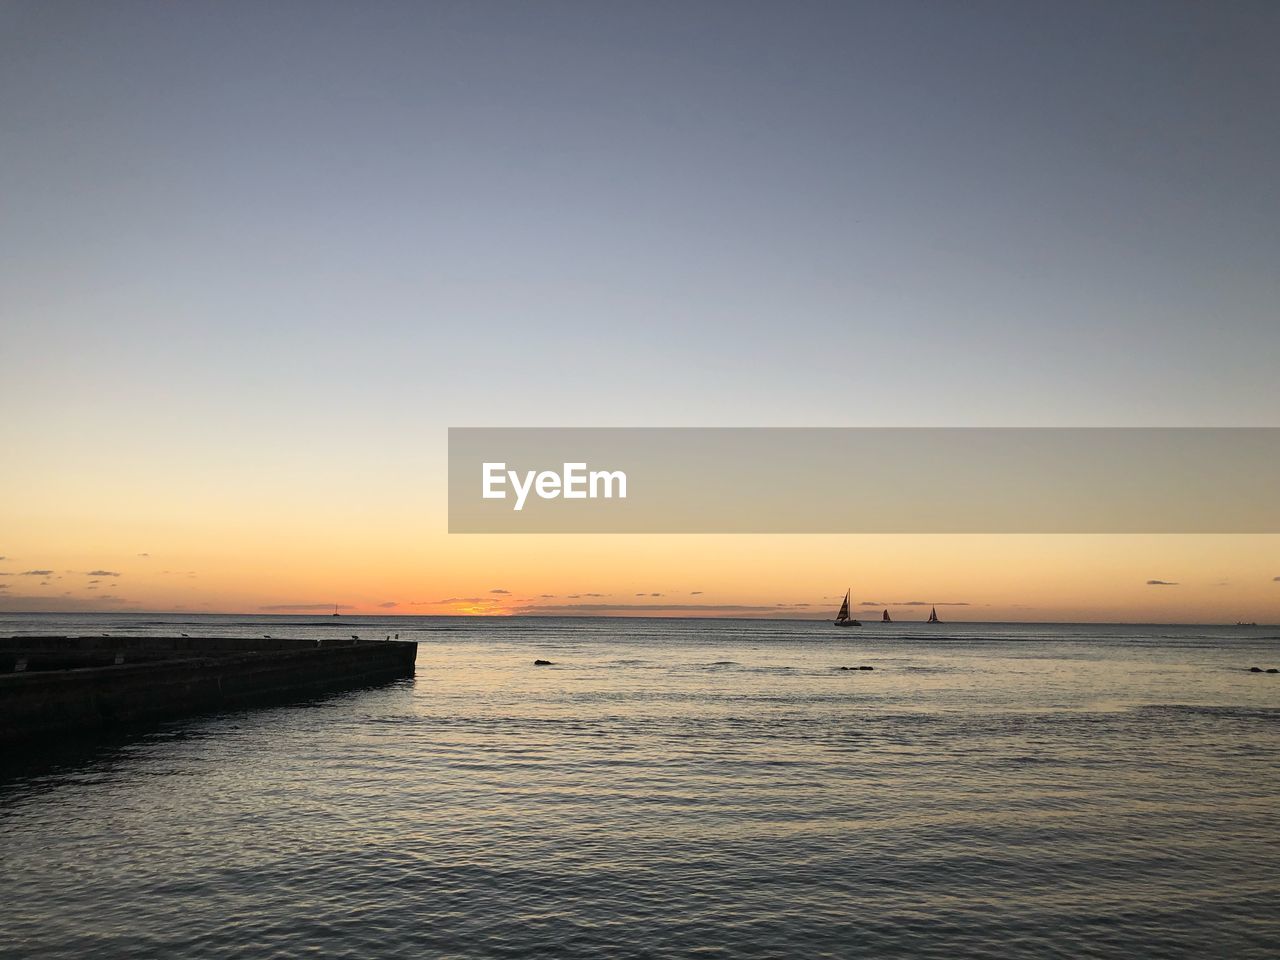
(674, 788)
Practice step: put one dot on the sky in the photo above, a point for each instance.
(255, 259)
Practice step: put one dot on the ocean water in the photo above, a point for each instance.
(677, 789)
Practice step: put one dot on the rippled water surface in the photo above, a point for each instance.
(678, 789)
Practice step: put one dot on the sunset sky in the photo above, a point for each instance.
(253, 267)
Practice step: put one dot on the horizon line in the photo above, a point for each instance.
(328, 618)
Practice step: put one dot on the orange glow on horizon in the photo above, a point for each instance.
(378, 569)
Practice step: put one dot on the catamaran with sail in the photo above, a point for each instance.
(842, 618)
(933, 615)
(886, 618)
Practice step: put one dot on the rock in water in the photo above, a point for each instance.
(1255, 669)
(542, 663)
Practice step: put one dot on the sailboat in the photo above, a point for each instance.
(933, 615)
(886, 618)
(335, 610)
(842, 618)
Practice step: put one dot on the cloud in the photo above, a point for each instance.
(552, 596)
(26, 603)
(915, 603)
(1276, 579)
(1162, 583)
(36, 573)
(500, 591)
(388, 604)
(695, 593)
(144, 555)
(638, 594)
(303, 607)
(596, 608)
(101, 573)
(467, 600)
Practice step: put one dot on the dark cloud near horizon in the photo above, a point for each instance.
(1162, 583)
(36, 573)
(646, 607)
(28, 603)
(301, 607)
(388, 604)
(500, 590)
(101, 573)
(916, 603)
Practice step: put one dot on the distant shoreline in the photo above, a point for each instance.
(322, 619)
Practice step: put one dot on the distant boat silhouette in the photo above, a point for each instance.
(335, 609)
(886, 617)
(842, 618)
(933, 615)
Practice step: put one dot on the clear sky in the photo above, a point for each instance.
(256, 258)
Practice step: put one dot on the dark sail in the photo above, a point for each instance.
(842, 618)
(885, 618)
(933, 614)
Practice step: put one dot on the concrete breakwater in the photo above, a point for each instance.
(59, 685)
